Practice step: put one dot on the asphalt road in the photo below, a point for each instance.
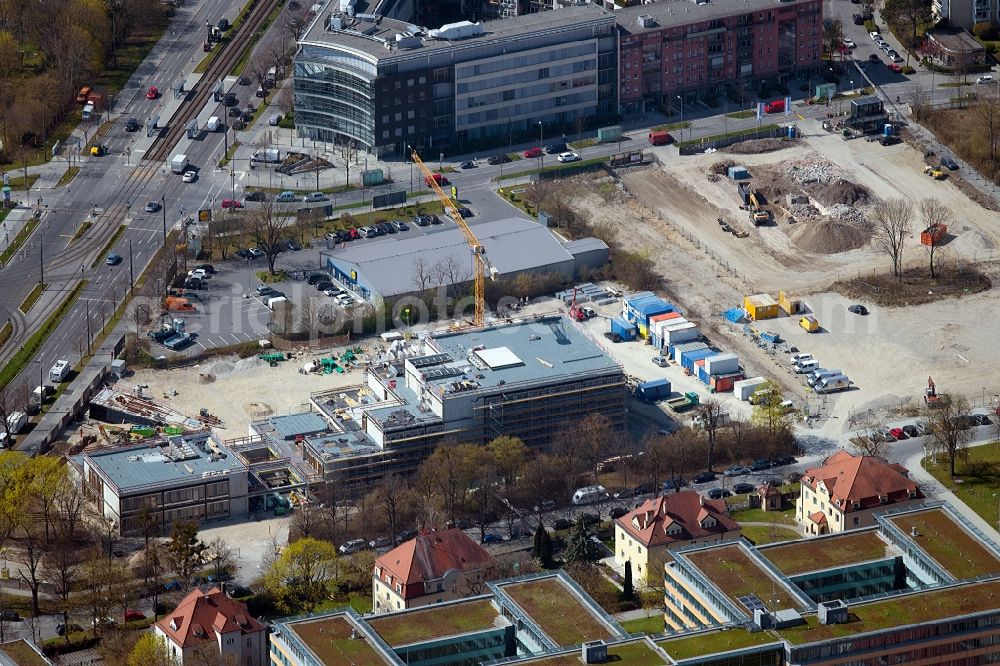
(110, 191)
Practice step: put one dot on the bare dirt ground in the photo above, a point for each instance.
(239, 389)
(890, 353)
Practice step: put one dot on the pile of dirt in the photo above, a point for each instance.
(840, 191)
(754, 146)
(721, 168)
(976, 239)
(829, 236)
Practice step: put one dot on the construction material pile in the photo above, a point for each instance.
(830, 236)
(757, 146)
(847, 214)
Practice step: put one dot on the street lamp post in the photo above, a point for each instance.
(541, 140)
(163, 208)
(682, 109)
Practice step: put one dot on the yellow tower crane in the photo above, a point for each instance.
(481, 265)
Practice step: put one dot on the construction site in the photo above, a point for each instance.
(796, 218)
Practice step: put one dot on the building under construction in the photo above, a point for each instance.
(527, 379)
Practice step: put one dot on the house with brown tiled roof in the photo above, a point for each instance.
(646, 535)
(847, 490)
(433, 567)
(210, 625)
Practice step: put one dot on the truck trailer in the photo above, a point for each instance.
(179, 163)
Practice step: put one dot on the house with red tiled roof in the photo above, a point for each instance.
(847, 491)
(431, 568)
(646, 535)
(210, 625)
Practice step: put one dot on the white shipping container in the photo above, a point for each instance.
(660, 326)
(744, 388)
(722, 364)
(686, 332)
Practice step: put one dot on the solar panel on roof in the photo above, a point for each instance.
(427, 361)
(441, 372)
(752, 602)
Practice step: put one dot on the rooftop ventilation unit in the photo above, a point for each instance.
(645, 21)
(335, 22)
(832, 612)
(460, 30)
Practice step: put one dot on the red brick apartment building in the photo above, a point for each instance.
(697, 50)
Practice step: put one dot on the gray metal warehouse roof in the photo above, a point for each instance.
(512, 245)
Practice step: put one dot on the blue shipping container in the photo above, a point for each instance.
(638, 296)
(623, 328)
(675, 351)
(656, 389)
(652, 308)
(703, 374)
(688, 358)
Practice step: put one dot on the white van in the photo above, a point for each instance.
(58, 372)
(589, 494)
(273, 302)
(806, 366)
(796, 358)
(831, 384)
(821, 373)
(16, 422)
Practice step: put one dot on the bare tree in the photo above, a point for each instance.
(711, 418)
(950, 432)
(266, 229)
(869, 440)
(220, 556)
(395, 499)
(935, 215)
(892, 219)
(309, 316)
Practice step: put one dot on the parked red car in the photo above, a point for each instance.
(153, 93)
(133, 615)
(533, 152)
(898, 433)
(353, 232)
(231, 203)
(895, 68)
(777, 106)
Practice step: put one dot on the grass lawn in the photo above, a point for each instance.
(34, 343)
(975, 481)
(714, 641)
(19, 240)
(330, 639)
(18, 183)
(31, 299)
(761, 535)
(815, 554)
(81, 230)
(950, 545)
(22, 654)
(905, 610)
(5, 332)
(741, 115)
(670, 127)
(637, 653)
(783, 517)
(644, 625)
(265, 277)
(68, 176)
(103, 254)
(583, 143)
(737, 575)
(564, 619)
(434, 622)
(229, 153)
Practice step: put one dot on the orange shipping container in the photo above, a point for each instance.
(933, 234)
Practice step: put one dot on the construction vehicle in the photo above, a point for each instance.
(934, 172)
(480, 263)
(759, 215)
(578, 313)
(931, 398)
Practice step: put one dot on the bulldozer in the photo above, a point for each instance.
(931, 398)
(934, 172)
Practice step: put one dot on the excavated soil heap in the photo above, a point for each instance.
(829, 236)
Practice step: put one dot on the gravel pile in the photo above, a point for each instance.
(803, 211)
(756, 146)
(811, 172)
(847, 214)
(829, 236)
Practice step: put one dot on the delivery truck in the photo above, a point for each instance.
(266, 156)
(179, 163)
(660, 138)
(214, 123)
(88, 110)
